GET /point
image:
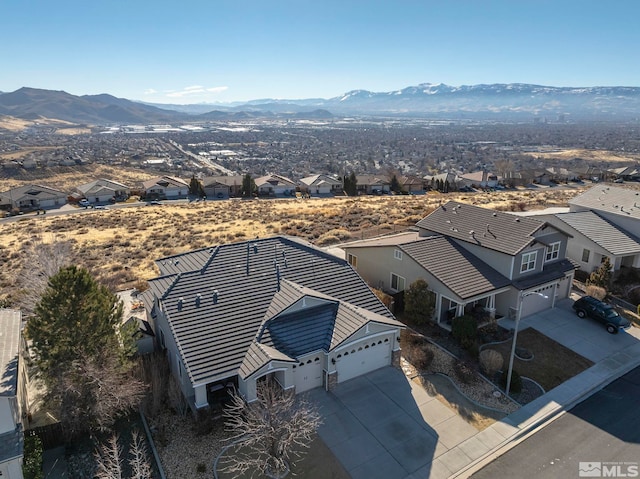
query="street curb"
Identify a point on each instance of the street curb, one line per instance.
(539, 423)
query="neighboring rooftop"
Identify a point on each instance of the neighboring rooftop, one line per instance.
(495, 230)
(609, 199)
(613, 239)
(10, 323)
(458, 269)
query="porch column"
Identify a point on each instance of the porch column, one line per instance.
(201, 396)
(460, 309)
(491, 306)
(555, 291)
(438, 311)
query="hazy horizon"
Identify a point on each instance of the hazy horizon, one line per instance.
(226, 51)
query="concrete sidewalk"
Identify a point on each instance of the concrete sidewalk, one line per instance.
(615, 355)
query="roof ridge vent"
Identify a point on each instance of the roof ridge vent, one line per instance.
(214, 252)
(170, 287)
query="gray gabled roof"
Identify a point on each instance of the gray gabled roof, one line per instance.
(455, 267)
(99, 184)
(602, 232)
(609, 199)
(10, 323)
(259, 355)
(490, 229)
(39, 191)
(213, 336)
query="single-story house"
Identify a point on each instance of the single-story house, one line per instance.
(372, 185)
(32, 197)
(620, 206)
(480, 179)
(594, 238)
(411, 184)
(103, 190)
(275, 185)
(320, 185)
(12, 393)
(471, 257)
(166, 187)
(229, 316)
(432, 181)
(228, 186)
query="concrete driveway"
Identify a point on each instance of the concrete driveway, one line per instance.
(586, 337)
(382, 425)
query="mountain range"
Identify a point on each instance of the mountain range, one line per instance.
(500, 102)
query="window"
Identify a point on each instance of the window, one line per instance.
(528, 262)
(585, 255)
(553, 251)
(352, 260)
(397, 282)
(397, 254)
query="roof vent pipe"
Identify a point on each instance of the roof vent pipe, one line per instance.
(180, 301)
(215, 296)
(198, 297)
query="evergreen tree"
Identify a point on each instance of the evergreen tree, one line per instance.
(248, 186)
(419, 302)
(396, 187)
(82, 353)
(350, 184)
(195, 187)
(602, 276)
(76, 318)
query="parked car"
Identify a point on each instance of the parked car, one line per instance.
(603, 312)
(84, 202)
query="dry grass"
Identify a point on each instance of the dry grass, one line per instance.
(77, 175)
(16, 155)
(120, 245)
(552, 363)
(590, 155)
(17, 124)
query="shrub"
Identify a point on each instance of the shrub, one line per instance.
(201, 467)
(464, 329)
(597, 292)
(516, 381)
(32, 464)
(490, 361)
(421, 357)
(419, 302)
(464, 372)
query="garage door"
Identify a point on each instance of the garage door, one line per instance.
(362, 358)
(308, 374)
(534, 303)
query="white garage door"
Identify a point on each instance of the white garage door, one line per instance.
(534, 303)
(308, 374)
(363, 357)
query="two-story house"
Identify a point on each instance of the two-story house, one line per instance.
(471, 257)
(231, 315)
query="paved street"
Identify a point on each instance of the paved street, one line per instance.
(604, 428)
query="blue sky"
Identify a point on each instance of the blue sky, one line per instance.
(218, 50)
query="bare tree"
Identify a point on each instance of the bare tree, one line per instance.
(271, 431)
(93, 393)
(139, 458)
(108, 459)
(44, 259)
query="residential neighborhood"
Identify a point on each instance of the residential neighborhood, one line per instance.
(334, 325)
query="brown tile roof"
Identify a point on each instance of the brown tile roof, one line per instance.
(459, 270)
(490, 229)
